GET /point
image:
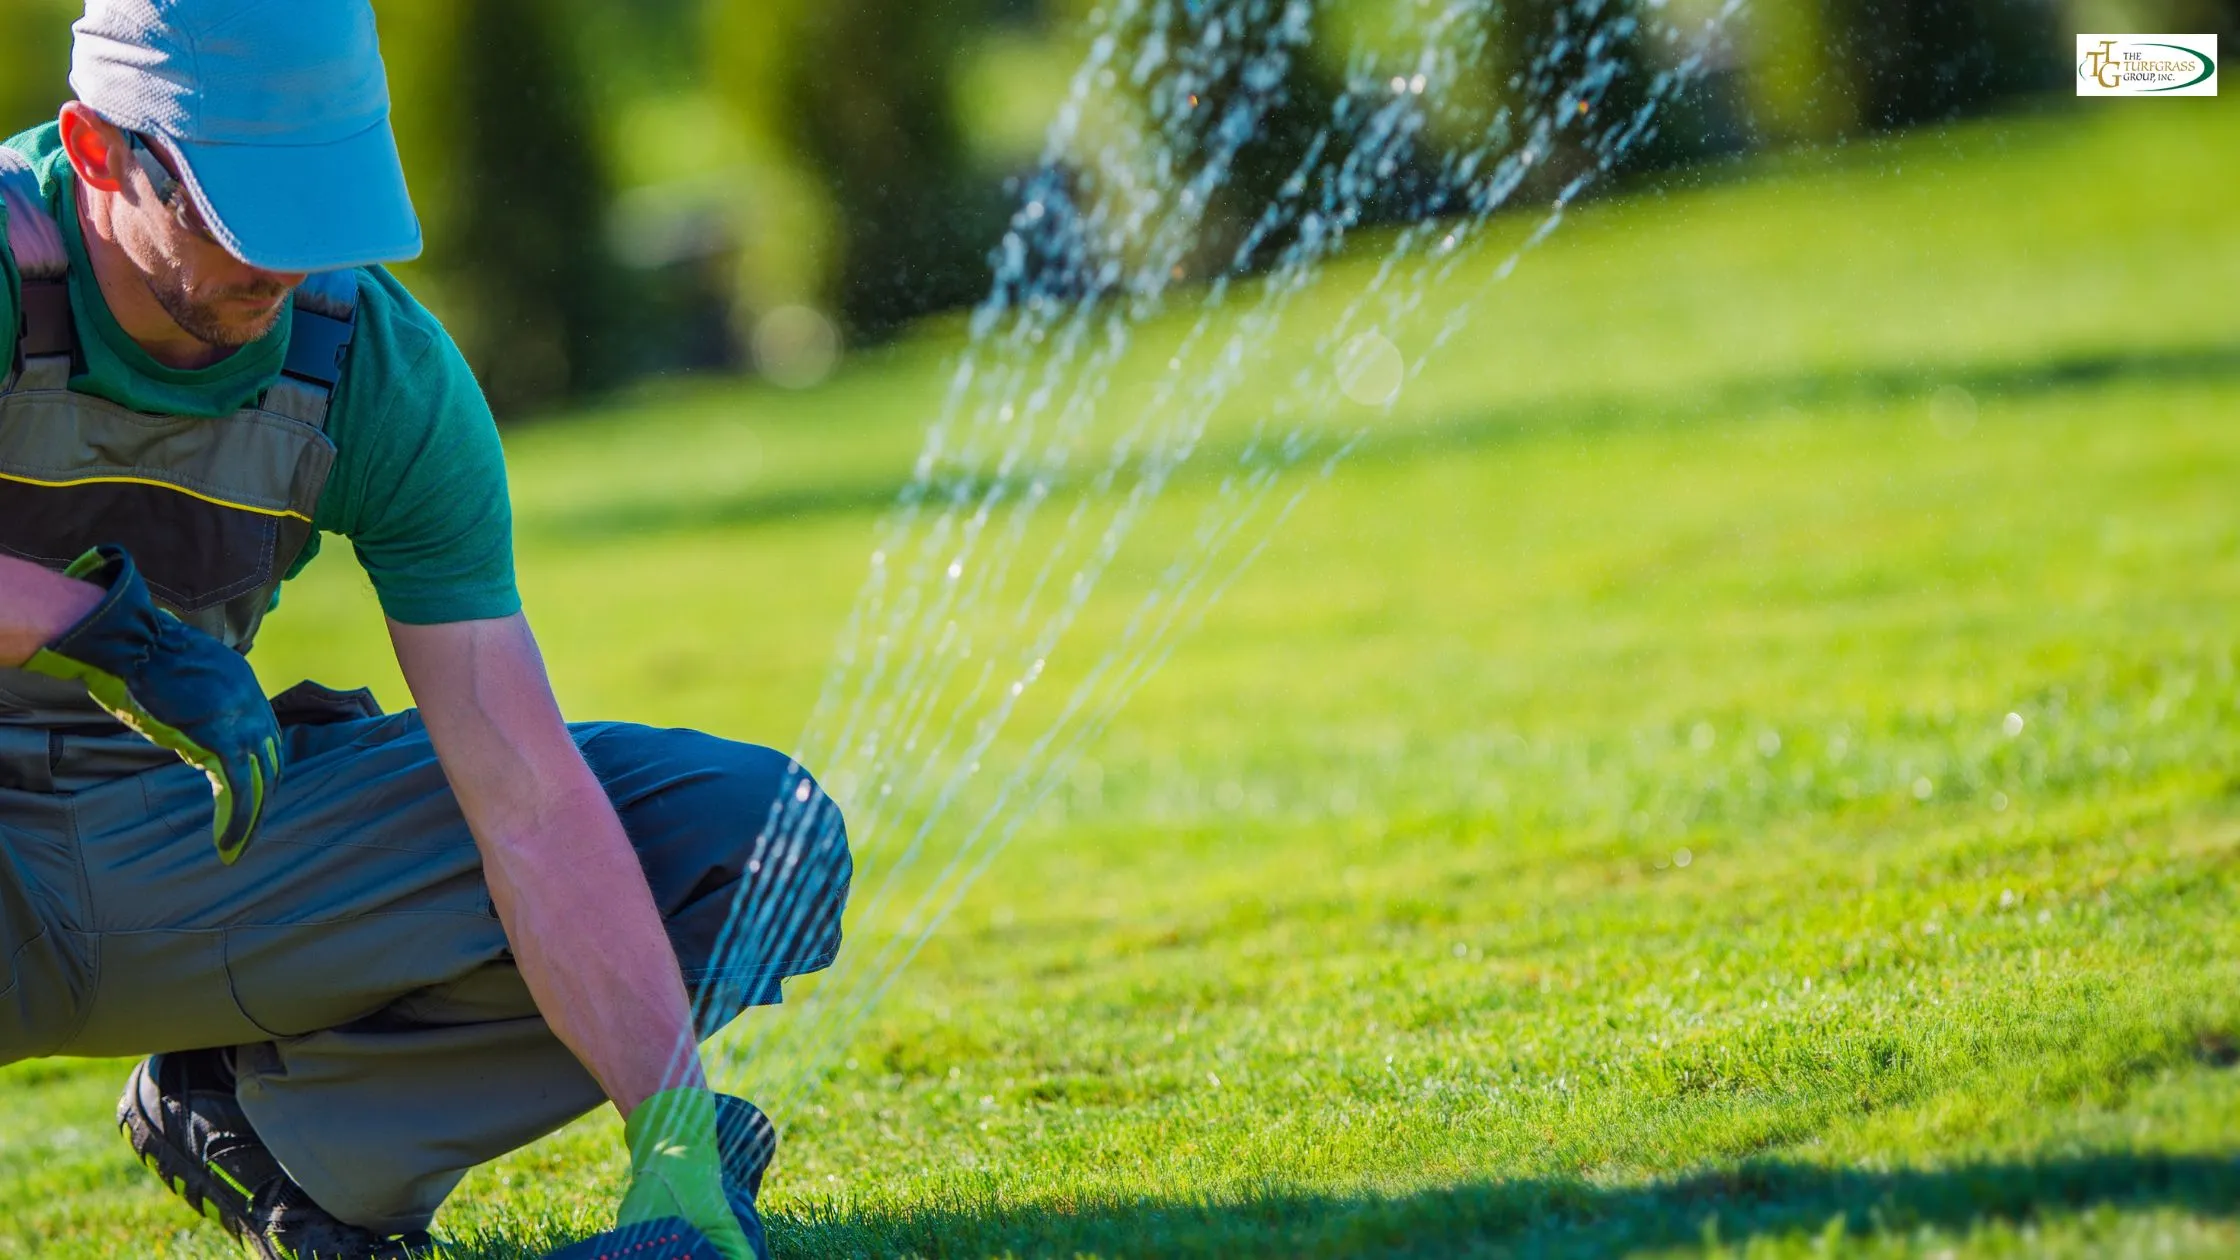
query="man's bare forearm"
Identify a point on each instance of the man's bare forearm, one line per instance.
(564, 877)
(36, 604)
(590, 944)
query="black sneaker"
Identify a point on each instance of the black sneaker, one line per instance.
(180, 1114)
(746, 1141)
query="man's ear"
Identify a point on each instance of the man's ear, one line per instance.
(96, 149)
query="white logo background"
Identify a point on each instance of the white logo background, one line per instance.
(2147, 65)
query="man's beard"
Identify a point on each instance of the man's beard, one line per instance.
(201, 320)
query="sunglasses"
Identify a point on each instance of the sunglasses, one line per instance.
(169, 190)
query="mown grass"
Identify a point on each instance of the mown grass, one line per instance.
(1743, 762)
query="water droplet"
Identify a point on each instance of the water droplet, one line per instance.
(1999, 802)
(1416, 84)
(1923, 788)
(1682, 857)
(1953, 411)
(2013, 725)
(796, 347)
(1371, 370)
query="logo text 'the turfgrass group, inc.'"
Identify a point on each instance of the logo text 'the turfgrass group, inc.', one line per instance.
(2146, 65)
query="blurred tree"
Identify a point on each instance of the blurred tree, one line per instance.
(1920, 61)
(869, 96)
(1823, 68)
(494, 113)
(529, 246)
(1493, 77)
(1800, 87)
(1546, 50)
(34, 61)
(781, 206)
(852, 152)
(420, 46)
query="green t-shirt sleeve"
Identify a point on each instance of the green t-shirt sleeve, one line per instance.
(422, 494)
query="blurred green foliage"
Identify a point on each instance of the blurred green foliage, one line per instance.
(34, 59)
(615, 190)
(509, 168)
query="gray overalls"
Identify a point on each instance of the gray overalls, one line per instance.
(387, 1040)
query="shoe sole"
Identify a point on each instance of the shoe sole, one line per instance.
(197, 1184)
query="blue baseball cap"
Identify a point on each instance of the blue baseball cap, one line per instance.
(276, 113)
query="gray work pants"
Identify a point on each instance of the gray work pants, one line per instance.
(389, 1042)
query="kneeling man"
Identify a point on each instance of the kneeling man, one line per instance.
(424, 939)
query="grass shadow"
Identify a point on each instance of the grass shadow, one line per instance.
(1531, 418)
(1543, 1217)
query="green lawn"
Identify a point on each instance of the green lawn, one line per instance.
(1746, 760)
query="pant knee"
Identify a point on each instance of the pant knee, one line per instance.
(781, 913)
(797, 871)
(746, 854)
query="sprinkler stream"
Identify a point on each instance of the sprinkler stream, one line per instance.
(1039, 469)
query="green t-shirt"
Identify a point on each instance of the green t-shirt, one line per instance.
(419, 479)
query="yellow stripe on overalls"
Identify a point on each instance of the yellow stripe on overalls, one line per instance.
(161, 485)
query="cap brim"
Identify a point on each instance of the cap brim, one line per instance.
(305, 207)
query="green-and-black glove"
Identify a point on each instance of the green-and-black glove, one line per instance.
(176, 686)
(677, 1170)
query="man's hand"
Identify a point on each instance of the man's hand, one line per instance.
(676, 1169)
(176, 686)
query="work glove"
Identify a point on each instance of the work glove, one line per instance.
(176, 686)
(676, 1169)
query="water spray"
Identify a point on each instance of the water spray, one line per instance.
(1032, 482)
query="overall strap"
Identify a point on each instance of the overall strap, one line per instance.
(40, 359)
(325, 318)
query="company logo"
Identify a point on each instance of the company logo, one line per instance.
(2146, 65)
